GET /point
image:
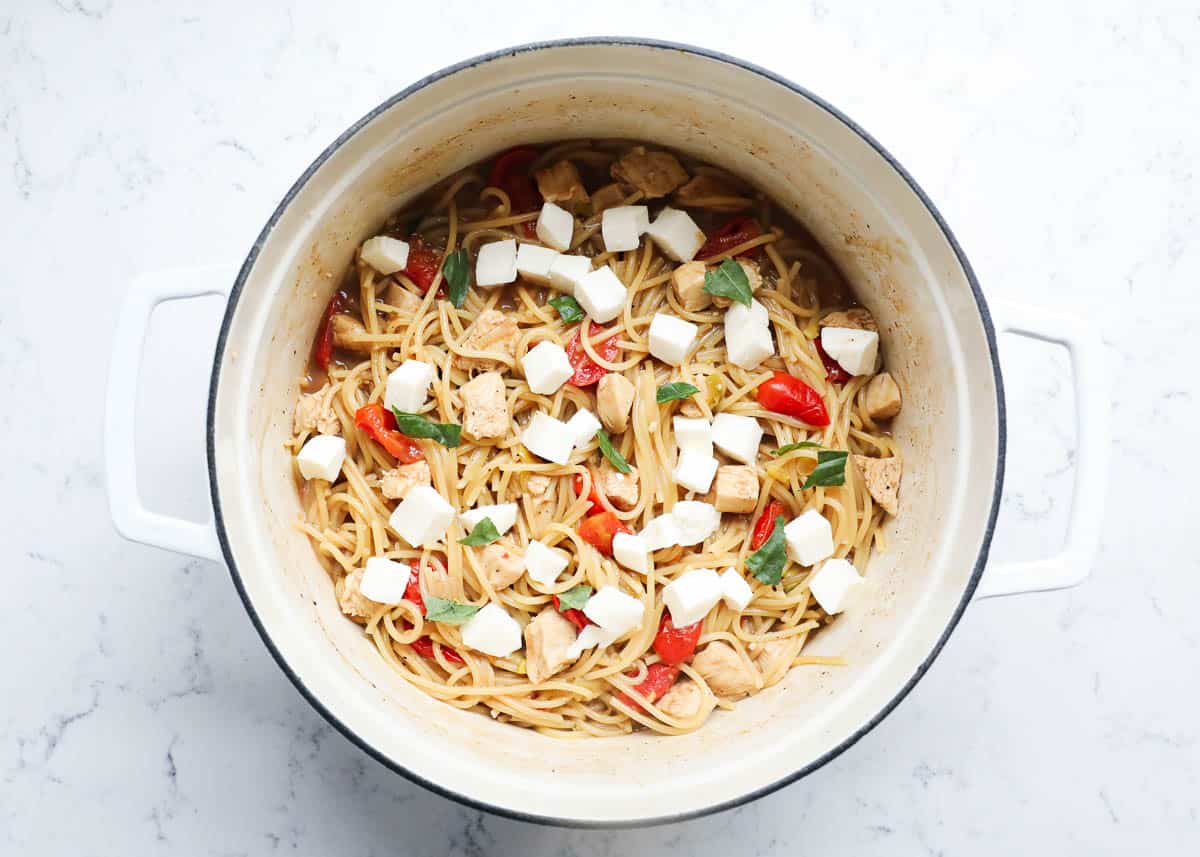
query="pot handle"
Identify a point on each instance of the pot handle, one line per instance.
(1092, 404)
(132, 519)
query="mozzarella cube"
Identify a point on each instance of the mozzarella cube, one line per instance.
(748, 334)
(583, 426)
(566, 272)
(676, 234)
(633, 552)
(555, 226)
(696, 521)
(492, 631)
(695, 472)
(614, 611)
(693, 435)
(534, 261)
(502, 516)
(386, 255)
(546, 367)
(690, 596)
(835, 584)
(496, 263)
(408, 386)
(661, 532)
(542, 564)
(809, 538)
(422, 517)
(548, 438)
(735, 591)
(671, 338)
(384, 580)
(737, 436)
(855, 350)
(622, 227)
(601, 294)
(589, 637)
(321, 457)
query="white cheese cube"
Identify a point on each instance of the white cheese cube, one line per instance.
(854, 350)
(589, 637)
(546, 367)
(321, 457)
(735, 591)
(748, 334)
(492, 631)
(601, 294)
(632, 552)
(386, 255)
(622, 227)
(737, 436)
(835, 584)
(696, 521)
(676, 234)
(422, 517)
(809, 538)
(695, 472)
(502, 516)
(408, 386)
(614, 611)
(534, 261)
(583, 426)
(671, 338)
(566, 272)
(384, 580)
(496, 263)
(555, 226)
(548, 438)
(661, 532)
(693, 435)
(543, 564)
(690, 596)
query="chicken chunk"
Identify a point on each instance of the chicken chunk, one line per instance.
(614, 398)
(485, 407)
(856, 318)
(688, 282)
(621, 489)
(539, 503)
(350, 333)
(881, 397)
(654, 173)
(502, 564)
(395, 484)
(547, 639)
(753, 277)
(437, 583)
(722, 667)
(495, 333)
(608, 196)
(401, 298)
(315, 414)
(684, 700)
(774, 658)
(701, 188)
(882, 476)
(350, 598)
(561, 185)
(736, 488)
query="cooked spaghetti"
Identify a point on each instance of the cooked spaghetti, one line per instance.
(674, 547)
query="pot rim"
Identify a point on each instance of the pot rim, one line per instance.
(558, 821)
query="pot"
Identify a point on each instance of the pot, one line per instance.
(938, 333)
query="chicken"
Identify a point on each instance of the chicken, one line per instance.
(608, 196)
(688, 282)
(684, 700)
(621, 489)
(881, 397)
(722, 667)
(401, 298)
(856, 318)
(547, 639)
(882, 476)
(437, 583)
(736, 488)
(614, 398)
(753, 277)
(502, 564)
(774, 658)
(350, 598)
(485, 407)
(654, 173)
(495, 333)
(315, 414)
(701, 188)
(561, 185)
(539, 503)
(349, 333)
(395, 484)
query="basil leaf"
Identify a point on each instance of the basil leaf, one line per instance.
(804, 444)
(729, 281)
(456, 269)
(568, 308)
(675, 390)
(610, 452)
(450, 612)
(483, 533)
(830, 469)
(768, 561)
(416, 425)
(574, 598)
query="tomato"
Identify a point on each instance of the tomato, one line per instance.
(593, 495)
(576, 616)
(423, 646)
(517, 160)
(658, 680)
(787, 394)
(380, 424)
(323, 345)
(598, 531)
(412, 592)
(423, 263)
(675, 645)
(510, 173)
(733, 232)
(587, 370)
(765, 524)
(833, 370)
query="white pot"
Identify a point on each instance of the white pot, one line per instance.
(885, 234)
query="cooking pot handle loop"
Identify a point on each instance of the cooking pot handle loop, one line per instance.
(132, 519)
(1092, 430)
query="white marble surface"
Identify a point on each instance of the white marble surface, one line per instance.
(139, 712)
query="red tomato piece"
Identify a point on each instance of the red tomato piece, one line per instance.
(423, 646)
(598, 531)
(517, 160)
(380, 424)
(787, 394)
(733, 232)
(323, 345)
(658, 680)
(765, 524)
(593, 495)
(833, 370)
(423, 263)
(587, 370)
(412, 592)
(675, 645)
(576, 616)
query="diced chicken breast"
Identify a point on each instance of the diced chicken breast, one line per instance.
(614, 398)
(701, 188)
(721, 666)
(654, 173)
(437, 583)
(349, 333)
(736, 487)
(539, 503)
(313, 414)
(561, 184)
(494, 332)
(856, 318)
(353, 603)
(485, 407)
(608, 196)
(882, 476)
(547, 639)
(688, 282)
(502, 564)
(684, 700)
(753, 277)
(881, 398)
(774, 658)
(395, 484)
(401, 298)
(621, 489)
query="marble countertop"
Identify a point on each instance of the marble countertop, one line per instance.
(140, 713)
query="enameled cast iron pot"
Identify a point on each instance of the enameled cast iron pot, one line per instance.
(939, 337)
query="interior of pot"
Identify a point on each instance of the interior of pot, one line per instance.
(903, 268)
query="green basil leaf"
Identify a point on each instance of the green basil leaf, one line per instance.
(450, 612)
(568, 308)
(483, 533)
(574, 598)
(416, 425)
(457, 271)
(729, 281)
(675, 390)
(830, 469)
(767, 563)
(804, 444)
(610, 452)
